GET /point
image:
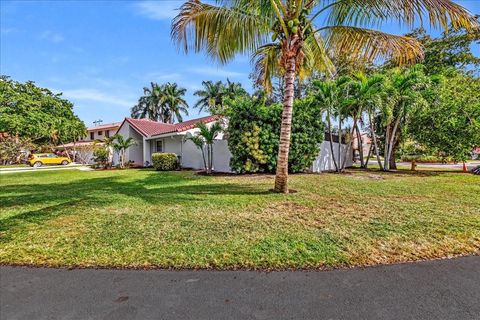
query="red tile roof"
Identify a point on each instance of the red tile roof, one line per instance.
(149, 127)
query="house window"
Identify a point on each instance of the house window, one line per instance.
(107, 133)
(92, 135)
(100, 133)
(159, 146)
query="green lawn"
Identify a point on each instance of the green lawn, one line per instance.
(142, 218)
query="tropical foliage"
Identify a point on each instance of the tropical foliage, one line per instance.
(450, 125)
(165, 103)
(213, 94)
(205, 140)
(253, 134)
(300, 45)
(28, 111)
(120, 146)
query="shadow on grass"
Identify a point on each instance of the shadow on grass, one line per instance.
(35, 203)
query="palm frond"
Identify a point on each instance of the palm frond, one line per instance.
(367, 13)
(370, 45)
(221, 31)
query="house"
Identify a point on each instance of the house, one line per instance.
(82, 150)
(100, 132)
(151, 136)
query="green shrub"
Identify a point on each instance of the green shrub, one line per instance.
(100, 157)
(425, 158)
(254, 130)
(165, 161)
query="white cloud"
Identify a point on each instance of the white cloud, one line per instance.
(158, 10)
(97, 96)
(51, 36)
(211, 71)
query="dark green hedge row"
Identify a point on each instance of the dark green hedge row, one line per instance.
(254, 130)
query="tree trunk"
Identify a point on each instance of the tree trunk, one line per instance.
(350, 143)
(386, 149)
(339, 143)
(329, 121)
(375, 141)
(359, 146)
(365, 165)
(281, 178)
(390, 145)
(202, 148)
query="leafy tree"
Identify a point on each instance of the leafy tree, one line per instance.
(208, 135)
(299, 45)
(451, 123)
(121, 145)
(12, 148)
(253, 134)
(36, 113)
(453, 49)
(163, 103)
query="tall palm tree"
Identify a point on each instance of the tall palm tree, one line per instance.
(174, 102)
(367, 96)
(121, 145)
(208, 135)
(163, 103)
(150, 104)
(403, 93)
(299, 45)
(210, 96)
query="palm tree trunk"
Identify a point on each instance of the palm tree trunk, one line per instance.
(392, 140)
(203, 156)
(209, 167)
(375, 141)
(339, 143)
(365, 165)
(359, 145)
(386, 148)
(281, 178)
(329, 121)
(349, 146)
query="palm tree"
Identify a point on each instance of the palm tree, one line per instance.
(367, 96)
(299, 46)
(200, 143)
(150, 105)
(174, 102)
(210, 96)
(208, 135)
(403, 93)
(121, 145)
(161, 103)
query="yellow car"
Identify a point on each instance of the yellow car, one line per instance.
(38, 160)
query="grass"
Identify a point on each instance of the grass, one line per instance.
(142, 218)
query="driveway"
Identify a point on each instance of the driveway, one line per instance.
(446, 289)
(458, 166)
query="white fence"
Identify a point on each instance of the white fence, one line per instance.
(324, 160)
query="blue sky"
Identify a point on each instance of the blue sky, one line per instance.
(101, 54)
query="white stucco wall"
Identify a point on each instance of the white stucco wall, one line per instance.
(134, 153)
(324, 160)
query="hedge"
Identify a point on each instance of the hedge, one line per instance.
(165, 161)
(254, 131)
(426, 159)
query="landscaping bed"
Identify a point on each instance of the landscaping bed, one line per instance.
(147, 219)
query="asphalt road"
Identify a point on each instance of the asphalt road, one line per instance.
(448, 289)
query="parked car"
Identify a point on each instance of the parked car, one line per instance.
(38, 160)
